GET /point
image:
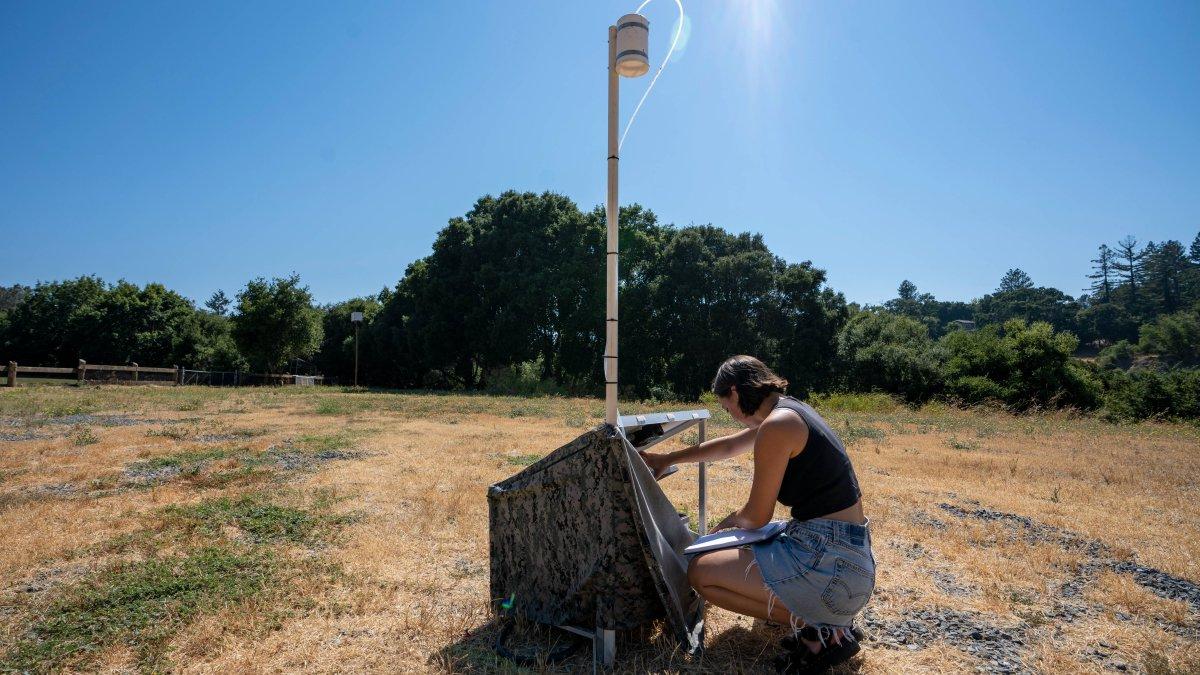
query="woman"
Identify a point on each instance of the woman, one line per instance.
(819, 573)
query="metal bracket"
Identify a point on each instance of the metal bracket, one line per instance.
(604, 644)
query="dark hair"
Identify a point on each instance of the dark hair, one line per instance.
(752, 378)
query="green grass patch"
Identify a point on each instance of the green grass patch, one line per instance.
(262, 520)
(140, 605)
(177, 432)
(45, 402)
(522, 460)
(68, 408)
(852, 432)
(189, 404)
(329, 406)
(190, 461)
(325, 442)
(576, 419)
(241, 475)
(856, 403)
(84, 436)
(962, 444)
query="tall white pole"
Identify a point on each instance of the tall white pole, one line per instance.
(610, 344)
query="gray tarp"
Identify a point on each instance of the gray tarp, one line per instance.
(585, 536)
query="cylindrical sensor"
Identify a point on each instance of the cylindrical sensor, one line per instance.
(633, 45)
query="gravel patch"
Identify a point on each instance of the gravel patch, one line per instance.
(21, 429)
(23, 495)
(984, 637)
(948, 583)
(922, 518)
(945, 580)
(9, 436)
(47, 579)
(102, 420)
(1162, 584)
(219, 438)
(289, 457)
(54, 490)
(140, 475)
(299, 460)
(1099, 557)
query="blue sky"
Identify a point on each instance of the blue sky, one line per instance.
(203, 144)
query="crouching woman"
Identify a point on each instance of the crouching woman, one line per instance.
(819, 573)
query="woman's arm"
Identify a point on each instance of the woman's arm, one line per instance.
(708, 451)
(777, 435)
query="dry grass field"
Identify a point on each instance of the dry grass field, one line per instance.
(318, 530)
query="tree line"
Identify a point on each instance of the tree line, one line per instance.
(511, 298)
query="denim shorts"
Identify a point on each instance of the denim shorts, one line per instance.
(822, 570)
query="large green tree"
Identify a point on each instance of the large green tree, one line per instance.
(493, 292)
(1014, 280)
(275, 321)
(1166, 267)
(11, 296)
(1130, 270)
(880, 351)
(1105, 322)
(1103, 274)
(61, 322)
(1029, 304)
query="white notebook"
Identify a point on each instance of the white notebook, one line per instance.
(735, 538)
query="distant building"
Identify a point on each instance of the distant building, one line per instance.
(964, 324)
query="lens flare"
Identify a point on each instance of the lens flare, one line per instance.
(674, 42)
(685, 35)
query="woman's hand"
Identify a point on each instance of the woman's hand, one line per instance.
(732, 521)
(657, 463)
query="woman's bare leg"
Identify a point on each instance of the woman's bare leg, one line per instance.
(729, 579)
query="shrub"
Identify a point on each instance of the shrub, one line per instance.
(1148, 394)
(1175, 336)
(976, 389)
(1119, 355)
(859, 403)
(879, 351)
(1022, 365)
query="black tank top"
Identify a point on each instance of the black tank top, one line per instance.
(819, 480)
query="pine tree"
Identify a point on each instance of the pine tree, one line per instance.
(1128, 266)
(218, 304)
(1014, 280)
(1190, 291)
(1102, 273)
(1165, 268)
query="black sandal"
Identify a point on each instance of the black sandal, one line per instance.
(808, 663)
(791, 642)
(799, 660)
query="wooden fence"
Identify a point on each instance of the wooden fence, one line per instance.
(132, 374)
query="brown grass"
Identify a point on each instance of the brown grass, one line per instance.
(410, 592)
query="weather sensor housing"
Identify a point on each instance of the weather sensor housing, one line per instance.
(633, 40)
